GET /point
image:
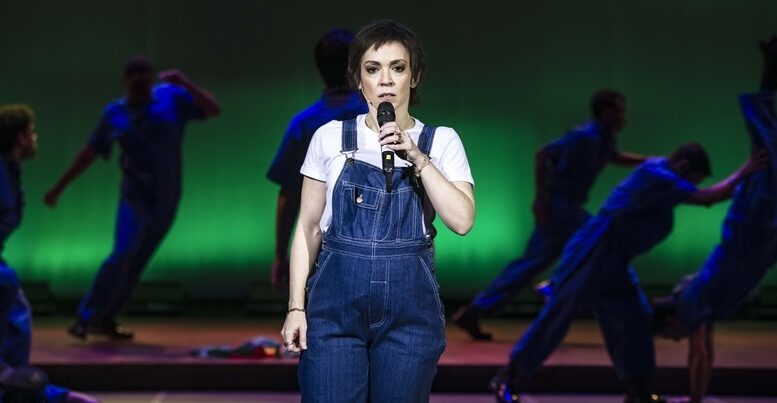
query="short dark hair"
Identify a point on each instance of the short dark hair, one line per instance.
(379, 33)
(14, 120)
(695, 155)
(138, 64)
(605, 99)
(332, 57)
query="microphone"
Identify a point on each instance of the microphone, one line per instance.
(386, 114)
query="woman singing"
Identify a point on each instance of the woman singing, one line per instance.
(364, 303)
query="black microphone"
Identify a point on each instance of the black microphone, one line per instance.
(386, 114)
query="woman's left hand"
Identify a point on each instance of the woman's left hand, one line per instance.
(400, 142)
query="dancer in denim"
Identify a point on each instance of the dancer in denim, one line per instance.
(565, 170)
(364, 303)
(19, 382)
(338, 102)
(748, 246)
(594, 271)
(148, 123)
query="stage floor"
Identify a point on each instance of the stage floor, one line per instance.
(164, 397)
(158, 359)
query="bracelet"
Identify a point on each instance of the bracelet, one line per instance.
(295, 309)
(420, 167)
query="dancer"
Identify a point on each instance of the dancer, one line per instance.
(368, 317)
(338, 102)
(748, 246)
(594, 270)
(19, 382)
(564, 172)
(149, 124)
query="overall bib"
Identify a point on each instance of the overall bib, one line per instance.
(376, 325)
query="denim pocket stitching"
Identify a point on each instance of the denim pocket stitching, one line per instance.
(435, 287)
(317, 276)
(385, 301)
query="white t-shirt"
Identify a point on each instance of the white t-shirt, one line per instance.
(324, 160)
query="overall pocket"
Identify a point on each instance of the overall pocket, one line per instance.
(318, 271)
(359, 206)
(427, 261)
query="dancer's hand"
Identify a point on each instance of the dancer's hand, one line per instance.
(173, 76)
(756, 162)
(769, 50)
(294, 332)
(52, 197)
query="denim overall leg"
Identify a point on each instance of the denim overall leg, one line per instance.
(544, 247)
(599, 276)
(375, 319)
(139, 230)
(15, 320)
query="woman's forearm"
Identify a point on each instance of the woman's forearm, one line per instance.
(307, 239)
(453, 201)
(304, 251)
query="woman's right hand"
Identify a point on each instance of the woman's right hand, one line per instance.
(294, 331)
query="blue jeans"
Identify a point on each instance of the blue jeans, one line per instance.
(16, 336)
(138, 233)
(545, 246)
(594, 272)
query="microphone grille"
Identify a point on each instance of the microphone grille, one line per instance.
(385, 113)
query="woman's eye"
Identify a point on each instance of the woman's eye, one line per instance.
(399, 69)
(371, 70)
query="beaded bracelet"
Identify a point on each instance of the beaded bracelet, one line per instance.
(420, 167)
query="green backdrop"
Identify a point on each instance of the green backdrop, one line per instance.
(508, 76)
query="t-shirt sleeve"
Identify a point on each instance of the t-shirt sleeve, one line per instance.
(290, 156)
(101, 140)
(315, 165)
(452, 161)
(187, 106)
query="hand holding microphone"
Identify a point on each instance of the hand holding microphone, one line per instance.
(393, 139)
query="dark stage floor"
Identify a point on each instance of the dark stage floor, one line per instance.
(281, 397)
(746, 359)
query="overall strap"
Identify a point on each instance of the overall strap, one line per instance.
(426, 138)
(349, 136)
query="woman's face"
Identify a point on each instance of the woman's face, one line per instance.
(386, 76)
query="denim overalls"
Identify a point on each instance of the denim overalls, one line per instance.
(748, 245)
(376, 325)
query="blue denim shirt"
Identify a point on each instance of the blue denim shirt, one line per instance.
(150, 137)
(578, 158)
(285, 167)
